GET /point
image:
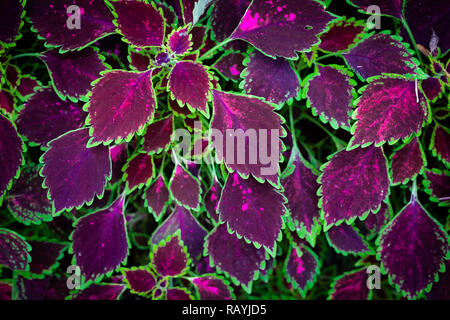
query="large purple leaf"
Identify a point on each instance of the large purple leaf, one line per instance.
(261, 70)
(282, 27)
(14, 250)
(192, 233)
(185, 188)
(253, 210)
(330, 95)
(10, 153)
(11, 12)
(353, 183)
(45, 256)
(97, 253)
(121, 104)
(407, 162)
(139, 171)
(230, 65)
(226, 15)
(213, 288)
(101, 292)
(341, 35)
(302, 268)
(300, 189)
(375, 222)
(27, 200)
(157, 198)
(139, 280)
(345, 239)
(83, 67)
(392, 8)
(350, 286)
(440, 144)
(170, 257)
(46, 117)
(140, 23)
(189, 83)
(412, 249)
(211, 201)
(53, 22)
(437, 185)
(389, 109)
(231, 119)
(238, 259)
(74, 173)
(158, 135)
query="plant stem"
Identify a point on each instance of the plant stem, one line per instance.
(23, 55)
(411, 37)
(210, 51)
(327, 56)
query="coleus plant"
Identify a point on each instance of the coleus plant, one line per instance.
(93, 96)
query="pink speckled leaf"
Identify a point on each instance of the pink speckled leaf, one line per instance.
(412, 248)
(330, 94)
(46, 117)
(302, 268)
(407, 162)
(139, 171)
(350, 286)
(11, 12)
(438, 185)
(392, 8)
(226, 15)
(380, 54)
(341, 35)
(14, 250)
(185, 188)
(234, 256)
(388, 110)
(376, 221)
(230, 65)
(140, 23)
(157, 198)
(353, 183)
(192, 233)
(45, 256)
(73, 72)
(54, 22)
(261, 70)
(97, 253)
(101, 292)
(158, 135)
(345, 239)
(189, 83)
(179, 41)
(253, 210)
(74, 173)
(212, 288)
(211, 200)
(266, 24)
(139, 280)
(231, 112)
(170, 257)
(121, 104)
(440, 144)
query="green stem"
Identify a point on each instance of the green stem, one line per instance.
(337, 142)
(414, 191)
(408, 30)
(210, 51)
(23, 55)
(327, 56)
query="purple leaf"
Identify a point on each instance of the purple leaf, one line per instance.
(407, 162)
(140, 23)
(158, 135)
(330, 95)
(10, 153)
(253, 210)
(226, 15)
(238, 259)
(230, 65)
(101, 292)
(441, 290)
(345, 239)
(178, 294)
(388, 110)
(261, 70)
(11, 12)
(179, 41)
(139, 171)
(341, 35)
(192, 233)
(121, 104)
(185, 188)
(139, 280)
(350, 286)
(392, 8)
(376, 221)
(266, 24)
(46, 117)
(83, 67)
(412, 248)
(231, 113)
(27, 86)
(97, 253)
(170, 257)
(353, 184)
(302, 268)
(138, 61)
(432, 88)
(437, 185)
(45, 256)
(300, 189)
(74, 173)
(7, 102)
(189, 83)
(14, 250)
(119, 156)
(53, 22)
(213, 288)
(5, 291)
(48, 288)
(380, 54)
(157, 198)
(211, 201)
(440, 144)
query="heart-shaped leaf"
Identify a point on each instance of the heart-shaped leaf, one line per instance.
(170, 257)
(407, 162)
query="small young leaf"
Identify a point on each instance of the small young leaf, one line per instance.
(407, 162)
(14, 250)
(212, 288)
(139, 280)
(139, 171)
(302, 268)
(179, 41)
(157, 198)
(170, 257)
(185, 188)
(345, 239)
(350, 286)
